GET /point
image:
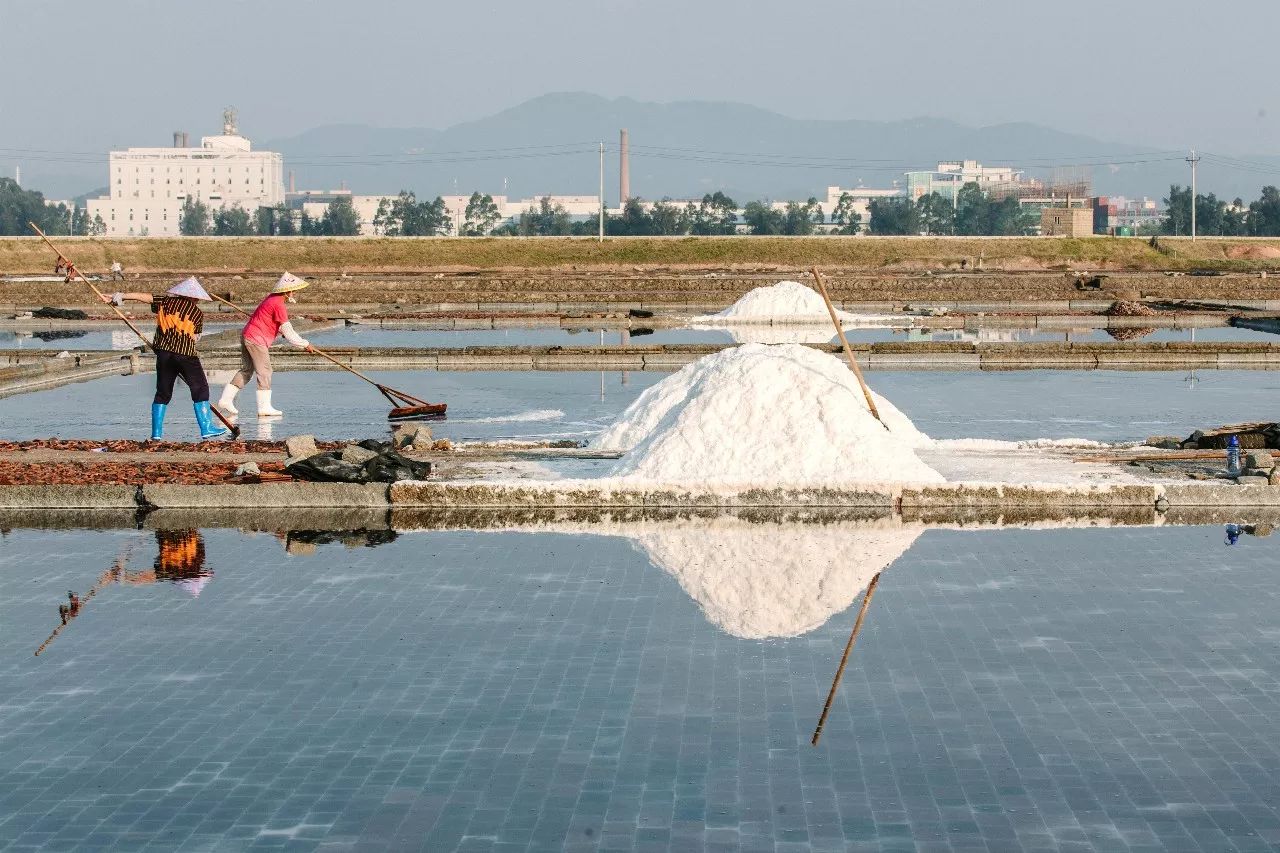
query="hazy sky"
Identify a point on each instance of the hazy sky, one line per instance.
(1166, 73)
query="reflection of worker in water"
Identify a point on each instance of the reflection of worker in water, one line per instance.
(179, 560)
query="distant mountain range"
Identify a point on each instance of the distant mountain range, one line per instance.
(684, 149)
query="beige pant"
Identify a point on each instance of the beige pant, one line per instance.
(254, 358)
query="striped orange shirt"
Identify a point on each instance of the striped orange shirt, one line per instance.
(178, 321)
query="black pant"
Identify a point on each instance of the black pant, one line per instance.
(169, 365)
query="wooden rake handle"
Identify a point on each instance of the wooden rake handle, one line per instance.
(316, 351)
(848, 351)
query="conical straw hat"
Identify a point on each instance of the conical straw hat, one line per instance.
(190, 287)
(289, 283)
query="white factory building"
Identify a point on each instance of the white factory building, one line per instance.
(148, 186)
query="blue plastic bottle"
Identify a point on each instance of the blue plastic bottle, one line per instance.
(1233, 456)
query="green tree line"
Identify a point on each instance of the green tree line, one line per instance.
(19, 207)
(1215, 217)
(974, 214)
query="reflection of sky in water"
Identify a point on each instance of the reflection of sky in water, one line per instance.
(1101, 405)
(1010, 690)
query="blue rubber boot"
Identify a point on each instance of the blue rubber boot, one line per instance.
(157, 420)
(204, 418)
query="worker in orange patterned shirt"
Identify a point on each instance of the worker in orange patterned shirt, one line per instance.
(179, 324)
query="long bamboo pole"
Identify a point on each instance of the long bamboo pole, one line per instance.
(73, 270)
(853, 362)
(844, 659)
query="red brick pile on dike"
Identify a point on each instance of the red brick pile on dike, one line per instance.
(127, 446)
(107, 472)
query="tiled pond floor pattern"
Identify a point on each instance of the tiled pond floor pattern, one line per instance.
(1099, 405)
(1086, 689)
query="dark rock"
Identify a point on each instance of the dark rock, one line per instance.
(1259, 459)
(298, 447)
(354, 454)
(410, 435)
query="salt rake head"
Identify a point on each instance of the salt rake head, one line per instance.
(428, 412)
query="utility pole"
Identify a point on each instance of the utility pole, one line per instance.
(1193, 160)
(600, 238)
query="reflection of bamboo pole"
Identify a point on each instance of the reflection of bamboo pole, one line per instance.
(108, 577)
(844, 659)
(853, 362)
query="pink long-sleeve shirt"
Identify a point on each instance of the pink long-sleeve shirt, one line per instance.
(264, 325)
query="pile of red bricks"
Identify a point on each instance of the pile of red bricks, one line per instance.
(107, 472)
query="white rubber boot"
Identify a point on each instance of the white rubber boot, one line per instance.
(264, 406)
(227, 402)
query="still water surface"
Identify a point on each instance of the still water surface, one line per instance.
(1100, 405)
(647, 686)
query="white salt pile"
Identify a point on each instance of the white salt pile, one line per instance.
(760, 415)
(784, 302)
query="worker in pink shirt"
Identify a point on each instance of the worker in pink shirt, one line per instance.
(269, 320)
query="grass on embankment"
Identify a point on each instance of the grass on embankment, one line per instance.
(393, 255)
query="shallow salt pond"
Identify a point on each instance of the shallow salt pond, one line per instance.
(1099, 405)
(651, 685)
(78, 340)
(373, 336)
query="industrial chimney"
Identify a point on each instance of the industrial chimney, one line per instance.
(177, 139)
(186, 141)
(624, 168)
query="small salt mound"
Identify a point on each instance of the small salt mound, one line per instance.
(765, 415)
(784, 302)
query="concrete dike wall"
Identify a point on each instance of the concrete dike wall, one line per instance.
(28, 371)
(916, 501)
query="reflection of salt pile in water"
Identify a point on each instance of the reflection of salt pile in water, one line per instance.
(772, 580)
(784, 303)
(759, 580)
(765, 415)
